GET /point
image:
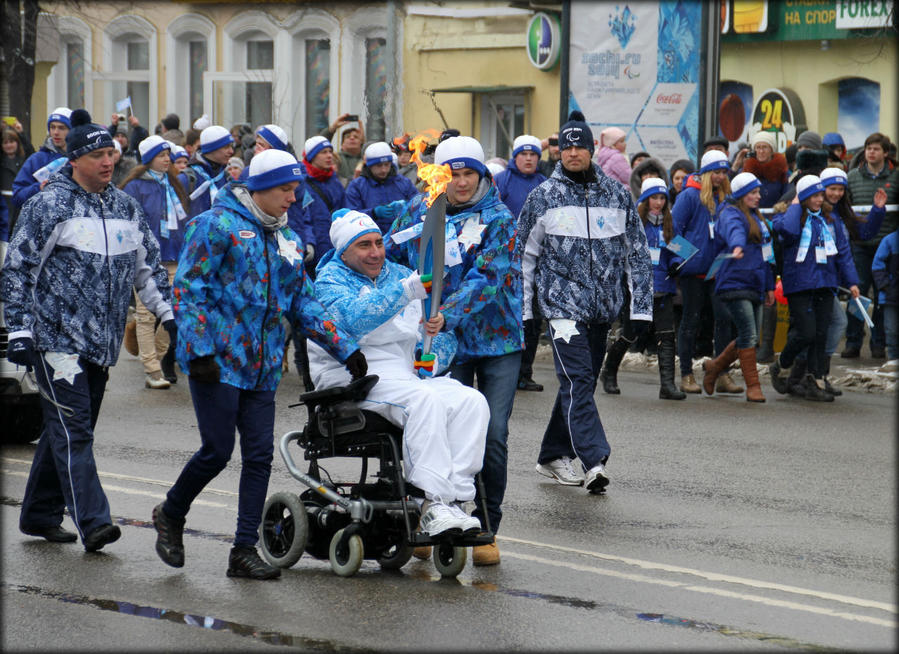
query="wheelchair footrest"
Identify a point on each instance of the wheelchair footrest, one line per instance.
(459, 540)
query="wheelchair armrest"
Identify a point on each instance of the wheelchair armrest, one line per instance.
(354, 391)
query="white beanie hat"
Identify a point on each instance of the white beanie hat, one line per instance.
(808, 185)
(151, 146)
(526, 143)
(461, 152)
(202, 123)
(273, 135)
(315, 145)
(214, 137)
(347, 225)
(495, 168)
(377, 152)
(272, 168)
(178, 151)
(831, 176)
(764, 137)
(60, 115)
(117, 146)
(713, 160)
(741, 184)
(652, 186)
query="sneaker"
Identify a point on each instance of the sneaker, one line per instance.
(470, 524)
(54, 534)
(485, 554)
(780, 377)
(439, 519)
(245, 562)
(156, 380)
(597, 479)
(528, 384)
(830, 388)
(102, 535)
(562, 470)
(169, 538)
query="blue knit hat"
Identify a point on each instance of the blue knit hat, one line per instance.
(376, 153)
(152, 146)
(274, 136)
(652, 186)
(526, 143)
(461, 152)
(178, 151)
(576, 132)
(214, 137)
(314, 145)
(741, 184)
(271, 168)
(713, 160)
(808, 186)
(85, 136)
(832, 138)
(60, 115)
(832, 176)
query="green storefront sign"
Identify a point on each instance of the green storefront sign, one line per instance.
(812, 20)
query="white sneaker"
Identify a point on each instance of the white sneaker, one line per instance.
(470, 524)
(597, 479)
(562, 470)
(156, 380)
(439, 518)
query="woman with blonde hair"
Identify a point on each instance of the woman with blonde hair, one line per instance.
(694, 214)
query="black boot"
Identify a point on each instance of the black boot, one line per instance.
(667, 389)
(833, 390)
(609, 373)
(765, 352)
(167, 363)
(245, 562)
(796, 382)
(814, 392)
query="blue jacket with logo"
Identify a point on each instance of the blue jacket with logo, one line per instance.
(365, 193)
(582, 246)
(234, 283)
(661, 281)
(320, 212)
(809, 274)
(885, 269)
(514, 186)
(481, 295)
(192, 180)
(72, 261)
(25, 185)
(691, 220)
(751, 272)
(151, 196)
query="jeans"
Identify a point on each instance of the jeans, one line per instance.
(810, 313)
(746, 316)
(891, 327)
(836, 329)
(220, 408)
(497, 381)
(532, 329)
(574, 428)
(863, 255)
(694, 292)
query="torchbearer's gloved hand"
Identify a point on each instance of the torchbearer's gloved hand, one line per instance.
(356, 364)
(21, 352)
(172, 330)
(205, 369)
(417, 287)
(425, 364)
(310, 253)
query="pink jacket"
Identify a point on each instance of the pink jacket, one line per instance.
(614, 164)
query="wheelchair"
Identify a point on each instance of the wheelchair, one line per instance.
(347, 522)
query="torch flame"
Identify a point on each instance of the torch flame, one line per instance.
(435, 177)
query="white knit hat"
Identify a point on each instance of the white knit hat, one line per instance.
(347, 225)
(273, 135)
(377, 152)
(652, 186)
(214, 137)
(152, 146)
(526, 143)
(764, 137)
(178, 151)
(461, 152)
(60, 115)
(807, 186)
(741, 184)
(831, 176)
(713, 160)
(272, 168)
(202, 123)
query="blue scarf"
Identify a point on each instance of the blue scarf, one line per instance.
(174, 212)
(211, 183)
(805, 239)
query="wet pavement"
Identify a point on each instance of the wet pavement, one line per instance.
(726, 525)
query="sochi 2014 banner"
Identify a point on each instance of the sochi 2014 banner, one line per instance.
(635, 65)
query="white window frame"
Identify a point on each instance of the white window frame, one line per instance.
(179, 33)
(303, 25)
(488, 118)
(115, 53)
(362, 24)
(71, 28)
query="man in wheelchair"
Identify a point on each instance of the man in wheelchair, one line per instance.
(444, 422)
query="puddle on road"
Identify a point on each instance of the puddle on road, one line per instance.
(202, 621)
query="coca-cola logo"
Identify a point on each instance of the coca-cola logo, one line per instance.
(674, 98)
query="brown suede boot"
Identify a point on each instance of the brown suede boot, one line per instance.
(751, 375)
(714, 367)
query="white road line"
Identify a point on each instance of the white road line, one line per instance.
(711, 576)
(891, 624)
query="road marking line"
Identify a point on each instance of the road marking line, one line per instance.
(706, 589)
(713, 576)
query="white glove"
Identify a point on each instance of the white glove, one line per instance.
(414, 288)
(310, 253)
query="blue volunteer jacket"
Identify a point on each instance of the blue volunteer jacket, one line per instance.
(691, 220)
(482, 294)
(191, 181)
(72, 261)
(365, 193)
(885, 269)
(514, 186)
(582, 246)
(234, 283)
(320, 211)
(751, 272)
(25, 185)
(661, 282)
(808, 274)
(151, 196)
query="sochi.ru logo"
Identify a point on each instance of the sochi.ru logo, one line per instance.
(540, 40)
(622, 24)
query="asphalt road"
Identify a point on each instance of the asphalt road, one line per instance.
(726, 526)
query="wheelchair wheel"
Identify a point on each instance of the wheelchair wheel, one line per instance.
(283, 530)
(346, 561)
(449, 560)
(396, 557)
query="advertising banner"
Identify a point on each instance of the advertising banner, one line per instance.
(636, 66)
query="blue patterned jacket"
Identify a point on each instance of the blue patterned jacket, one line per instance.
(581, 244)
(72, 261)
(481, 295)
(233, 284)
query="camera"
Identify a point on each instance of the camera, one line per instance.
(554, 141)
(352, 118)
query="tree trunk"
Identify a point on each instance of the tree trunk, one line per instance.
(18, 33)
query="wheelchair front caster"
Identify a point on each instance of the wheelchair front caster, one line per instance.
(346, 559)
(396, 557)
(283, 530)
(449, 560)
